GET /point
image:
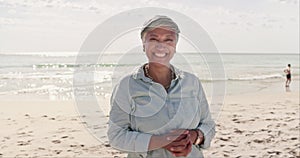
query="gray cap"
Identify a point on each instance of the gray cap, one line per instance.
(159, 21)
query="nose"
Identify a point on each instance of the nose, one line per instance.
(160, 46)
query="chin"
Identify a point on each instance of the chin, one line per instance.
(160, 63)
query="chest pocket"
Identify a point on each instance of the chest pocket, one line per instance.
(155, 115)
(186, 112)
(149, 114)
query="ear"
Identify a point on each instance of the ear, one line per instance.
(175, 49)
(143, 43)
(143, 47)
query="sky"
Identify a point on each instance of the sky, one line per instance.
(235, 26)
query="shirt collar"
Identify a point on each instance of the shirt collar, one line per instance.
(140, 74)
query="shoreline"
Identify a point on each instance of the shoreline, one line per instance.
(231, 88)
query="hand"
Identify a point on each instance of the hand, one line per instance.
(182, 151)
(180, 142)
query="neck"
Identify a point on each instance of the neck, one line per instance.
(159, 68)
(160, 73)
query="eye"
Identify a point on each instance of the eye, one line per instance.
(169, 40)
(153, 39)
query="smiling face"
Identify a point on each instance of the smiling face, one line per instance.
(160, 45)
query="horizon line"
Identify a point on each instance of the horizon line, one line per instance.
(115, 52)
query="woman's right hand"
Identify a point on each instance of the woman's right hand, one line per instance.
(179, 142)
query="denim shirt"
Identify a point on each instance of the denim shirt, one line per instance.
(142, 108)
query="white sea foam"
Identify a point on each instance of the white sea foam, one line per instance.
(257, 77)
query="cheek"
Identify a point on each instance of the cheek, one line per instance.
(172, 47)
(148, 47)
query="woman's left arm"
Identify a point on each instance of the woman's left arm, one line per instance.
(206, 124)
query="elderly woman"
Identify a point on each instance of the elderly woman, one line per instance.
(160, 111)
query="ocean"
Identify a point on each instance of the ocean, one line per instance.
(50, 75)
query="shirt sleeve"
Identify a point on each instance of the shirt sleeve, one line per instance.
(207, 124)
(120, 134)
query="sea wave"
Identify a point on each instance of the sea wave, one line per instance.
(41, 54)
(68, 65)
(85, 77)
(244, 78)
(257, 77)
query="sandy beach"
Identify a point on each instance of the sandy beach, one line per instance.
(261, 124)
(258, 125)
(60, 61)
(46, 129)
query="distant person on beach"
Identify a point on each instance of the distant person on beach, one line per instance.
(159, 111)
(288, 75)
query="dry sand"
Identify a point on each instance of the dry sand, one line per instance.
(46, 129)
(258, 125)
(249, 125)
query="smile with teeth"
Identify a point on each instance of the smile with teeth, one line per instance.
(161, 55)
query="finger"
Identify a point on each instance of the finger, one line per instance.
(172, 141)
(181, 142)
(189, 147)
(177, 148)
(185, 151)
(176, 137)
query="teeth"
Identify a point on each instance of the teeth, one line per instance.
(160, 54)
